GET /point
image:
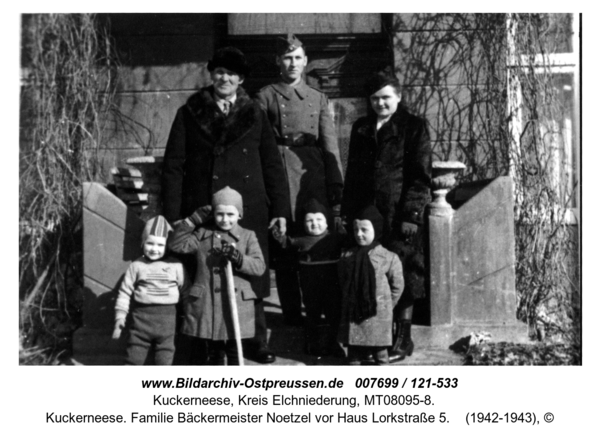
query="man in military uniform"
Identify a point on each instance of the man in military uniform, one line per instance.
(304, 131)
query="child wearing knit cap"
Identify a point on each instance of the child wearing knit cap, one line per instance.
(214, 240)
(372, 283)
(317, 253)
(150, 291)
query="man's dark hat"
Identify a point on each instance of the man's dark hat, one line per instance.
(379, 80)
(287, 44)
(230, 58)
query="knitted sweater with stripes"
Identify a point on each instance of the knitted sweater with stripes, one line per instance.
(151, 282)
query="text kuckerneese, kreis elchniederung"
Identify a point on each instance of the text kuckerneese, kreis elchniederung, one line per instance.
(282, 400)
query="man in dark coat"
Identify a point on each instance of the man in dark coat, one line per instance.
(389, 166)
(221, 138)
(303, 127)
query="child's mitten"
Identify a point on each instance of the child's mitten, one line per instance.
(200, 215)
(233, 254)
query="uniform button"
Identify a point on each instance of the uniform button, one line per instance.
(215, 177)
(284, 116)
(282, 105)
(245, 151)
(285, 126)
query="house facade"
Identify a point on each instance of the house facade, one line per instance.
(500, 93)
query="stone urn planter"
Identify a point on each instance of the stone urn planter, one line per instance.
(443, 178)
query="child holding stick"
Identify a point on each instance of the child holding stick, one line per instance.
(207, 310)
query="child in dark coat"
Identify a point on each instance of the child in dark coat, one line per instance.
(150, 291)
(318, 252)
(372, 283)
(207, 312)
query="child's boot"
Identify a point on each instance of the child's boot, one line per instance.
(354, 356)
(381, 356)
(216, 354)
(233, 357)
(333, 348)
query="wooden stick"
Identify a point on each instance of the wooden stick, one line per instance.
(234, 311)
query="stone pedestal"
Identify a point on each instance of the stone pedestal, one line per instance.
(111, 240)
(472, 261)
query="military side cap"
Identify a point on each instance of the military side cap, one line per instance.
(287, 44)
(230, 58)
(379, 80)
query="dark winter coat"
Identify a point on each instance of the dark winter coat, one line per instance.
(377, 330)
(206, 309)
(392, 170)
(208, 151)
(304, 131)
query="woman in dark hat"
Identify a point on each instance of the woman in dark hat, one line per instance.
(220, 138)
(389, 166)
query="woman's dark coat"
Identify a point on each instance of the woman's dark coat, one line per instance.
(208, 151)
(393, 172)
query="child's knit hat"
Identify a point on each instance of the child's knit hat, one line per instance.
(372, 214)
(228, 196)
(157, 226)
(313, 206)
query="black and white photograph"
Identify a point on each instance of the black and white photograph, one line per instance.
(338, 192)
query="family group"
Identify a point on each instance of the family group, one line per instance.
(250, 184)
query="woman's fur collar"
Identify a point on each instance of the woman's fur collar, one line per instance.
(222, 131)
(392, 128)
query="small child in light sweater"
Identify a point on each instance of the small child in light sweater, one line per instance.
(150, 292)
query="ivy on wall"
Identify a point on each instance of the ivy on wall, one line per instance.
(66, 89)
(493, 101)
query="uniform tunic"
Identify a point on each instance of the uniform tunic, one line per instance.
(207, 313)
(377, 330)
(303, 127)
(208, 151)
